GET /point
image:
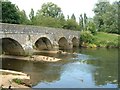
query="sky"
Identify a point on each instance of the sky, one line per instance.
(68, 7)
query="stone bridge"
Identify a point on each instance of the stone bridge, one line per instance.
(16, 39)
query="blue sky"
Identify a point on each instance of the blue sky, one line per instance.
(68, 6)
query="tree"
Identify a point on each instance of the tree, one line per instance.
(31, 15)
(85, 21)
(81, 22)
(47, 22)
(49, 15)
(73, 17)
(10, 13)
(50, 10)
(71, 24)
(106, 17)
(91, 27)
(23, 17)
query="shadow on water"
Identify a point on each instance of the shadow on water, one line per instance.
(87, 68)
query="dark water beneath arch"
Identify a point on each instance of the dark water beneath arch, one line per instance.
(88, 68)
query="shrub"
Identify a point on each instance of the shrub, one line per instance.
(92, 46)
(86, 37)
(18, 81)
(112, 44)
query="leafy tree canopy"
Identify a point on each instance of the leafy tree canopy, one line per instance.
(50, 9)
(106, 17)
(10, 13)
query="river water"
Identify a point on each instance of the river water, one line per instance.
(87, 68)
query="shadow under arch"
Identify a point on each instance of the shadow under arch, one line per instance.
(63, 43)
(43, 43)
(10, 46)
(75, 42)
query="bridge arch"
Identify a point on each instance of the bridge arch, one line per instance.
(63, 43)
(11, 46)
(43, 43)
(75, 42)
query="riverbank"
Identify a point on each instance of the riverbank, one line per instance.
(13, 79)
(101, 39)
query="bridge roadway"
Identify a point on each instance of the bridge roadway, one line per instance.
(16, 39)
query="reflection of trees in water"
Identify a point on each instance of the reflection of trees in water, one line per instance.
(45, 72)
(107, 63)
(13, 64)
(39, 71)
(104, 75)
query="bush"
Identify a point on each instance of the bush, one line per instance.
(18, 81)
(112, 44)
(86, 37)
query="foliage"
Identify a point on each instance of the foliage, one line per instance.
(71, 24)
(31, 15)
(100, 39)
(18, 81)
(83, 21)
(50, 10)
(50, 16)
(106, 40)
(91, 27)
(48, 22)
(10, 13)
(106, 17)
(73, 17)
(23, 17)
(86, 37)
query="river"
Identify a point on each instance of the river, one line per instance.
(87, 68)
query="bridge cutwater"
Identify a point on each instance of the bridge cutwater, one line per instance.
(17, 39)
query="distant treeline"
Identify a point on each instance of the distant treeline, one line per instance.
(50, 15)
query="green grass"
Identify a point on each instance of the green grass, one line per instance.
(106, 39)
(105, 36)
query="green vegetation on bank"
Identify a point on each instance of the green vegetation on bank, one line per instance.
(18, 81)
(101, 39)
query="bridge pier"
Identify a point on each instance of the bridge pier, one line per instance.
(70, 45)
(28, 48)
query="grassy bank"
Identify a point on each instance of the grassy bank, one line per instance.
(101, 39)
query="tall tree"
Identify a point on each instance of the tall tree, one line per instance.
(85, 20)
(73, 17)
(31, 15)
(50, 10)
(81, 23)
(10, 13)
